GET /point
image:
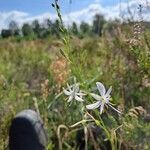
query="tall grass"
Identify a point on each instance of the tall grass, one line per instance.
(34, 73)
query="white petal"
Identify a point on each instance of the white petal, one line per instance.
(70, 98)
(66, 92)
(76, 88)
(93, 106)
(78, 98)
(101, 88)
(95, 96)
(101, 108)
(109, 91)
(114, 109)
(81, 94)
(106, 99)
(69, 87)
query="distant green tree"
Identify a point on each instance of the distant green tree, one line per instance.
(47, 28)
(42, 30)
(98, 24)
(48, 23)
(5, 33)
(74, 28)
(44, 33)
(84, 28)
(13, 27)
(55, 28)
(27, 30)
(110, 27)
(36, 27)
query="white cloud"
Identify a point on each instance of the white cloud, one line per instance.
(21, 17)
(86, 14)
(6, 17)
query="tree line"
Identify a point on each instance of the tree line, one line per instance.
(49, 28)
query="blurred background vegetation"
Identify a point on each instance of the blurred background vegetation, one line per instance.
(33, 72)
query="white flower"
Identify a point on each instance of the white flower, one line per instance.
(102, 99)
(74, 93)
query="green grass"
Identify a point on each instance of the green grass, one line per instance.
(25, 65)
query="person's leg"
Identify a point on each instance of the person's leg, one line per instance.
(27, 132)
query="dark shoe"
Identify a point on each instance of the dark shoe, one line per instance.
(27, 132)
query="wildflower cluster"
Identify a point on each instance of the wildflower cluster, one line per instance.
(137, 29)
(60, 70)
(74, 93)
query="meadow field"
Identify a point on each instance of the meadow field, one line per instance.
(35, 72)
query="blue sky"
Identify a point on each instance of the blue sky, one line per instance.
(79, 10)
(35, 7)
